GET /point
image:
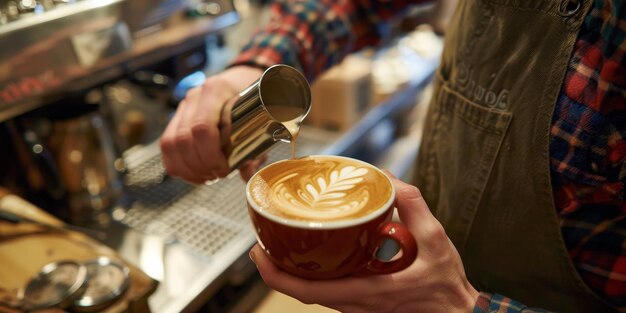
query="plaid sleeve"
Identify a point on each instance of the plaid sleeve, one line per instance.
(495, 303)
(588, 153)
(313, 35)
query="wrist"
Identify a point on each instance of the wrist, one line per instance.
(473, 296)
(468, 297)
(483, 302)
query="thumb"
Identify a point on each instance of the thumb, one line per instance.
(412, 207)
(416, 215)
(250, 167)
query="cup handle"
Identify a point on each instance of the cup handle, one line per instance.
(401, 235)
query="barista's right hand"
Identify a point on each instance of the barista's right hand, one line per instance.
(191, 145)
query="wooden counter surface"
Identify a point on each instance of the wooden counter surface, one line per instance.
(25, 248)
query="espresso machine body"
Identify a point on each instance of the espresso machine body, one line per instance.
(81, 81)
(55, 46)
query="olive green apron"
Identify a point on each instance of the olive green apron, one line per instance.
(483, 165)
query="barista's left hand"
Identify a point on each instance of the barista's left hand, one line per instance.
(435, 282)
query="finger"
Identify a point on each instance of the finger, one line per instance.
(412, 208)
(415, 214)
(208, 149)
(173, 163)
(165, 142)
(249, 168)
(167, 145)
(389, 173)
(185, 141)
(192, 132)
(205, 116)
(322, 292)
(198, 171)
(191, 137)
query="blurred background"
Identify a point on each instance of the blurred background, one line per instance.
(88, 86)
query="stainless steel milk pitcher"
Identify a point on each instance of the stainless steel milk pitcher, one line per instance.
(258, 114)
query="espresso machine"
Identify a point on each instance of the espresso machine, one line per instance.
(86, 89)
(82, 81)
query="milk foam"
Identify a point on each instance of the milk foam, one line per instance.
(324, 197)
(320, 189)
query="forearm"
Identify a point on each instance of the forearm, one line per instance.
(314, 35)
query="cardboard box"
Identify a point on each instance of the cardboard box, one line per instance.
(341, 95)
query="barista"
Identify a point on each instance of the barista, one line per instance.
(522, 160)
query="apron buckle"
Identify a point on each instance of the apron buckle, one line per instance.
(569, 7)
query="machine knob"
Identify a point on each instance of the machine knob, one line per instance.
(26, 6)
(205, 8)
(13, 11)
(4, 18)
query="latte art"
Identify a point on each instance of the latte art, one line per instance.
(320, 189)
(323, 197)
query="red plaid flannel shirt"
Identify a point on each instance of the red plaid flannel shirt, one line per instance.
(588, 146)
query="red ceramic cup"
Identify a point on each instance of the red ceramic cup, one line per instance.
(333, 249)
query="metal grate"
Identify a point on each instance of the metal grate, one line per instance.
(204, 218)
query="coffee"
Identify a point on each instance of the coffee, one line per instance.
(291, 118)
(319, 189)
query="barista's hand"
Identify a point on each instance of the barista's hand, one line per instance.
(435, 282)
(191, 143)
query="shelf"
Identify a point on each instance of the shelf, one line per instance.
(46, 62)
(424, 69)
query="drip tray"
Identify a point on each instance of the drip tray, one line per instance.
(203, 218)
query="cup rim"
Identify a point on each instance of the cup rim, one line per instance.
(324, 224)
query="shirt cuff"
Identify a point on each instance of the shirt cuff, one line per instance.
(495, 303)
(267, 49)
